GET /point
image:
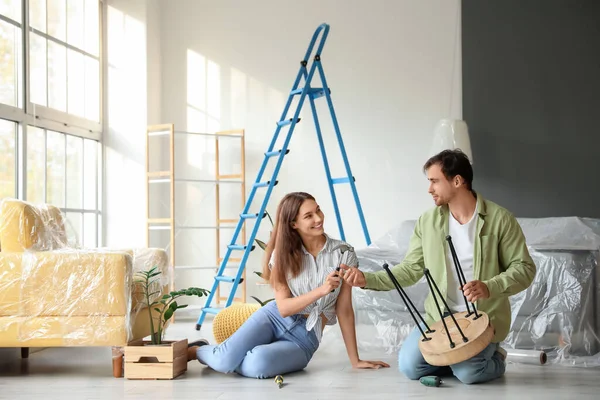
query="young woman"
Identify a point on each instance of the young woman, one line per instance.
(282, 336)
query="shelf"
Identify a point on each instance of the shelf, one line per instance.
(167, 180)
(166, 132)
(162, 227)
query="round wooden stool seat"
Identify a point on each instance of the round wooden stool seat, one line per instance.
(438, 350)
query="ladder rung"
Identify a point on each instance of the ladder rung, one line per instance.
(251, 216)
(287, 122)
(319, 93)
(275, 153)
(211, 310)
(155, 174)
(233, 176)
(336, 181)
(264, 184)
(229, 279)
(239, 247)
(311, 91)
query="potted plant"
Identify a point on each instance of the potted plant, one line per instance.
(158, 358)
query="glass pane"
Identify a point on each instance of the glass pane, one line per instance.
(57, 76)
(89, 230)
(8, 172)
(36, 164)
(55, 171)
(74, 172)
(9, 54)
(73, 226)
(92, 27)
(92, 89)
(76, 83)
(37, 14)
(75, 23)
(38, 80)
(57, 19)
(90, 176)
(11, 9)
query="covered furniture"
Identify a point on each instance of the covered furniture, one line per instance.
(54, 295)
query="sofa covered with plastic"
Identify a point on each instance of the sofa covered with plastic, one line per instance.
(56, 295)
(558, 314)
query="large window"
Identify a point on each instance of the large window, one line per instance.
(8, 150)
(63, 171)
(50, 108)
(64, 49)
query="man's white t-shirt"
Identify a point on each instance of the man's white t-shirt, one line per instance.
(463, 239)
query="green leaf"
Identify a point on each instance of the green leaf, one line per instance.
(182, 306)
(173, 306)
(259, 301)
(258, 273)
(261, 244)
(168, 314)
(157, 309)
(166, 296)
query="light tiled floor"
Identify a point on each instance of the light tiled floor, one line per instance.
(86, 373)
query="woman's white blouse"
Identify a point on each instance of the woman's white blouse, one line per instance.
(313, 274)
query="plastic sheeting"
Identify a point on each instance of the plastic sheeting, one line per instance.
(558, 314)
(52, 294)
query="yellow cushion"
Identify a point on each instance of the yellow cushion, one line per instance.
(25, 226)
(229, 320)
(65, 283)
(63, 331)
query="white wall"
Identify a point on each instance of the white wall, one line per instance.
(390, 64)
(132, 101)
(207, 65)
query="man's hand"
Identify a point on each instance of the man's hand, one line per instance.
(353, 276)
(475, 290)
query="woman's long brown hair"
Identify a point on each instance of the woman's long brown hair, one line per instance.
(285, 240)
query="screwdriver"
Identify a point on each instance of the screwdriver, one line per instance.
(432, 381)
(279, 381)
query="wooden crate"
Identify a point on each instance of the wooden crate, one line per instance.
(146, 361)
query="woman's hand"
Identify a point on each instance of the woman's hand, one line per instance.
(332, 282)
(370, 365)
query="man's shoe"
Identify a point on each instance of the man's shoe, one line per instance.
(199, 343)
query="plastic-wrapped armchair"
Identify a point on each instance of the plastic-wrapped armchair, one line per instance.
(53, 295)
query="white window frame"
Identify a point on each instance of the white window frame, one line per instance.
(54, 120)
(46, 117)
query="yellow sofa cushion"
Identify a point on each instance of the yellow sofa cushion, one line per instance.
(63, 331)
(25, 226)
(65, 283)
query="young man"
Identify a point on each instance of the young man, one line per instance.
(491, 249)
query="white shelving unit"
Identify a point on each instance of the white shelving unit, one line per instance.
(168, 172)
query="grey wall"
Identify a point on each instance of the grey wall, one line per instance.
(531, 98)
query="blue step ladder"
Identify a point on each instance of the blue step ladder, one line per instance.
(303, 91)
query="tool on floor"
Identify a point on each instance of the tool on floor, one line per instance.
(432, 381)
(279, 381)
(302, 91)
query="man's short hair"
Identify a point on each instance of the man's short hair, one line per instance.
(453, 163)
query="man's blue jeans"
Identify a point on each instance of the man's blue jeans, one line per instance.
(483, 367)
(266, 345)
